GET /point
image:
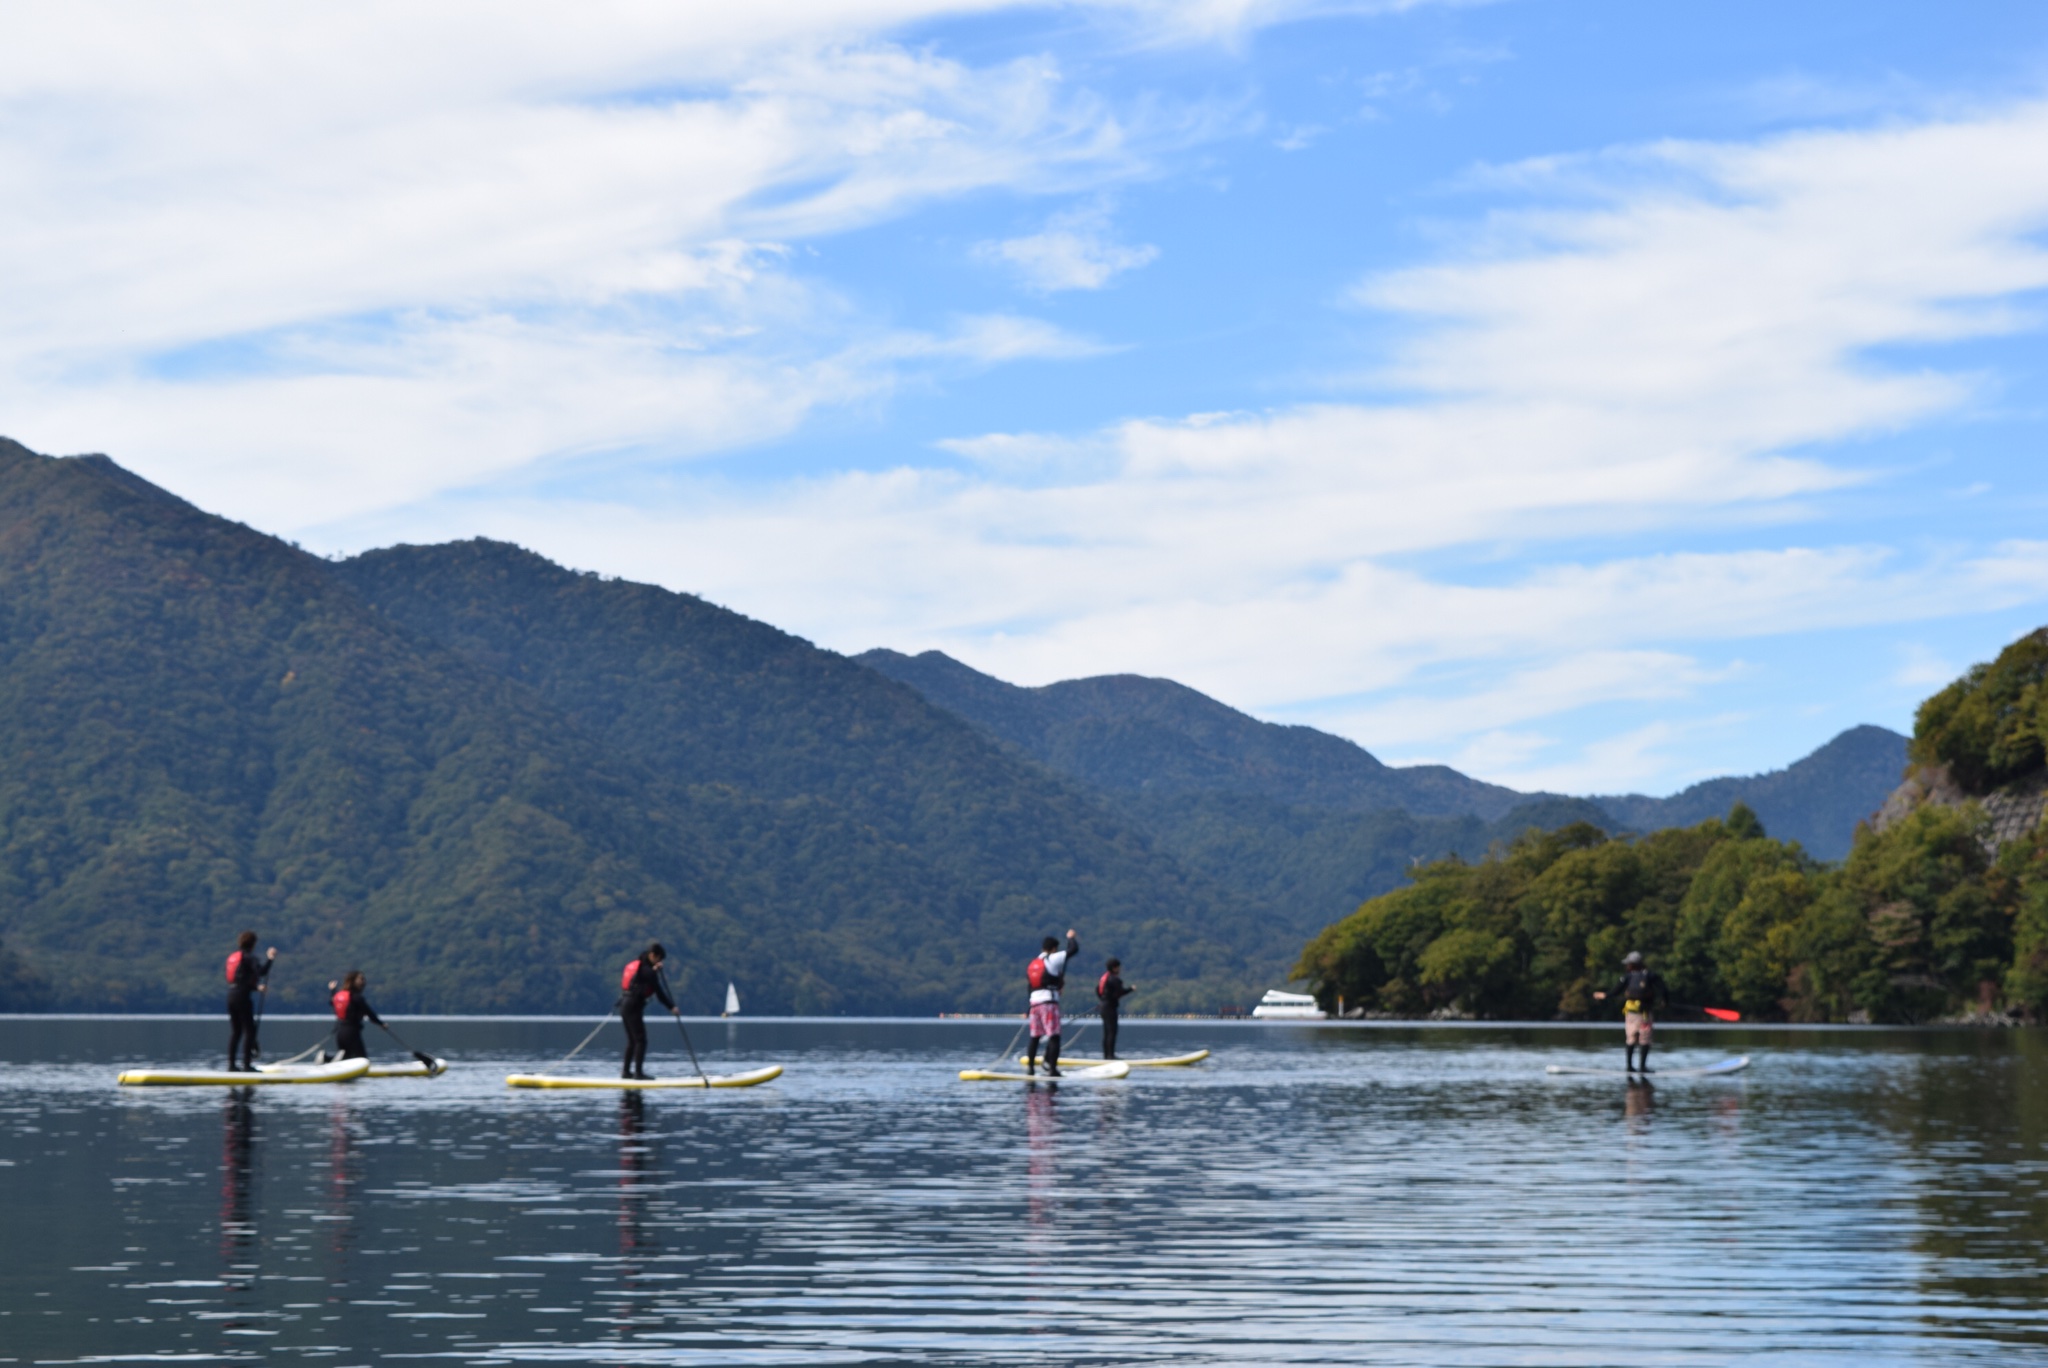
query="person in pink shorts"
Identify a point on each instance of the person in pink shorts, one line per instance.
(1642, 992)
(1047, 974)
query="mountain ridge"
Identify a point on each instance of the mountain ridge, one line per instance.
(1138, 735)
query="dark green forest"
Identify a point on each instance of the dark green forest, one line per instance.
(1939, 911)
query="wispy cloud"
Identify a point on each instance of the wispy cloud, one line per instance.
(1075, 251)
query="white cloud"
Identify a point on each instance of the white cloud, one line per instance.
(1074, 252)
(1679, 350)
(363, 253)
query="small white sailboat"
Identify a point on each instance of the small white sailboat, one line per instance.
(732, 1001)
(1279, 1006)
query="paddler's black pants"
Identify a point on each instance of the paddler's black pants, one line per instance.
(1109, 1033)
(635, 1022)
(241, 1028)
(348, 1038)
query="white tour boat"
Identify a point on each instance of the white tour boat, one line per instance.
(1279, 1006)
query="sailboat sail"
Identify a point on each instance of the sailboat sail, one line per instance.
(732, 1000)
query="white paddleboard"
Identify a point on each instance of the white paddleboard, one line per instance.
(1116, 1068)
(340, 1071)
(738, 1080)
(1725, 1066)
(397, 1068)
(1156, 1062)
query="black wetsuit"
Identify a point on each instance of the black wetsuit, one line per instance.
(645, 983)
(250, 971)
(1110, 992)
(348, 1023)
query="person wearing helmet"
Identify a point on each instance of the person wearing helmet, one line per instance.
(1642, 992)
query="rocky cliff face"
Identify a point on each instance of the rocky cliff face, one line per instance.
(2011, 811)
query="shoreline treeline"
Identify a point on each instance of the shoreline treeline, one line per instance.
(1939, 911)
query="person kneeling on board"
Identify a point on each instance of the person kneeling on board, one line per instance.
(1047, 974)
(1111, 990)
(246, 972)
(641, 981)
(351, 1007)
(1642, 992)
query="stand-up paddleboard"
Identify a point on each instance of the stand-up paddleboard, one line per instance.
(1724, 1066)
(340, 1071)
(400, 1068)
(1116, 1068)
(738, 1080)
(1156, 1062)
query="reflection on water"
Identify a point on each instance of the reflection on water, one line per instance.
(1311, 1195)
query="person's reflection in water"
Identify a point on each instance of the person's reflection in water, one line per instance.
(238, 1235)
(342, 1180)
(237, 1177)
(1042, 1252)
(1640, 1100)
(637, 1244)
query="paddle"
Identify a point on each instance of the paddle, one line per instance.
(1717, 1013)
(662, 974)
(425, 1059)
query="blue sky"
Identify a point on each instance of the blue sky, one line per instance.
(1593, 396)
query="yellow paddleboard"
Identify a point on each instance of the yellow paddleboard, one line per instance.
(738, 1080)
(1101, 1073)
(340, 1071)
(1157, 1062)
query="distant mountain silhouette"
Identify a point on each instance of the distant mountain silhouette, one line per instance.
(1126, 734)
(1135, 734)
(1816, 801)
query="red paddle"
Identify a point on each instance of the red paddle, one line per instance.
(1722, 1013)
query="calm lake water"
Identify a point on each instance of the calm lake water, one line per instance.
(1309, 1195)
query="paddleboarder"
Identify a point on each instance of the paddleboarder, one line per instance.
(351, 1008)
(1642, 992)
(1047, 974)
(246, 974)
(1110, 990)
(641, 981)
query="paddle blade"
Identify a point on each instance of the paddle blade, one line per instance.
(1722, 1013)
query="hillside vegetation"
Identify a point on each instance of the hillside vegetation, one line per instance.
(1934, 915)
(488, 800)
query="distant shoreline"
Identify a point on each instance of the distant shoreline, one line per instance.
(968, 1018)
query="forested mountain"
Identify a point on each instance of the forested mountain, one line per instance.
(1816, 801)
(1128, 735)
(203, 728)
(1132, 734)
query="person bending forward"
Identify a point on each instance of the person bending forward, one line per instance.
(641, 981)
(351, 1008)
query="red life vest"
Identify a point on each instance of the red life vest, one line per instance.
(234, 967)
(1034, 973)
(626, 978)
(1102, 986)
(341, 1002)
